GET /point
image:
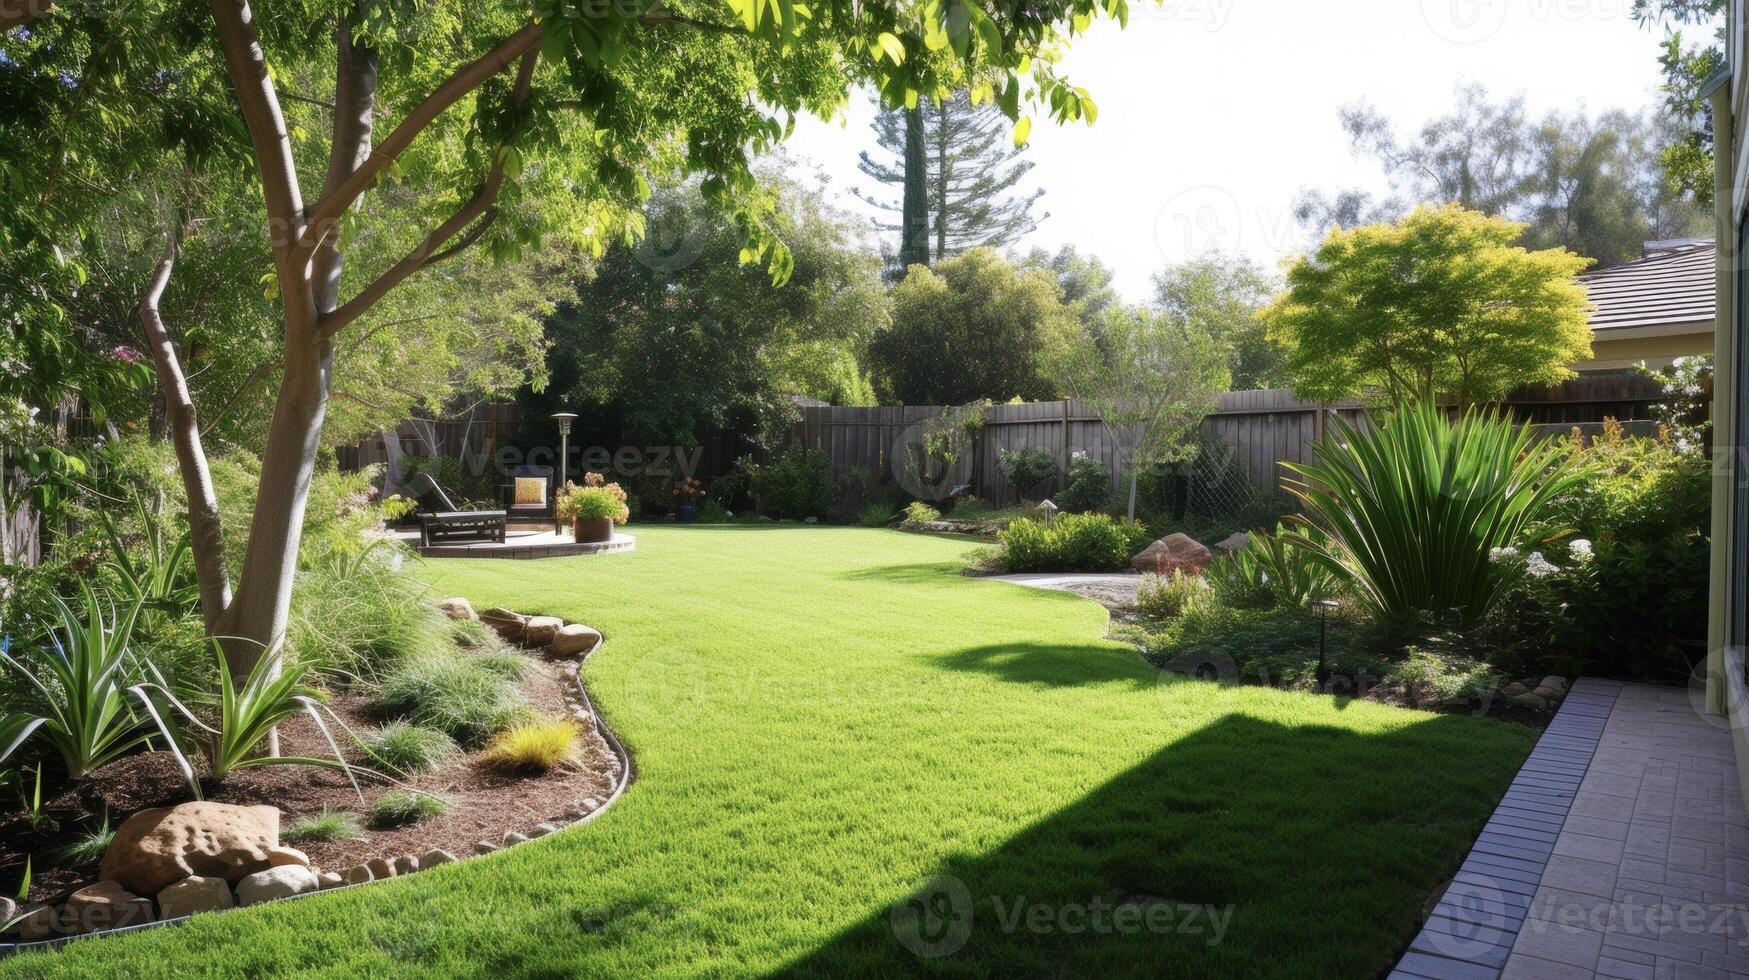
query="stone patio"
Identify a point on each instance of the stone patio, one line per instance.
(1620, 850)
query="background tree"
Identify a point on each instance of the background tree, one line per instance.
(972, 327)
(1225, 297)
(1442, 302)
(684, 341)
(969, 167)
(510, 128)
(1150, 377)
(1593, 185)
(1688, 159)
(1085, 281)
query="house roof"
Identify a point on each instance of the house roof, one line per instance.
(1671, 286)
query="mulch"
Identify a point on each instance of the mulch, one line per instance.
(486, 801)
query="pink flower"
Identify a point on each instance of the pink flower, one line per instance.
(123, 352)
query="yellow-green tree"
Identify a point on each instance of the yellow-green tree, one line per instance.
(1439, 303)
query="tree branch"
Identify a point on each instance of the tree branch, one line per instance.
(426, 252)
(237, 396)
(325, 214)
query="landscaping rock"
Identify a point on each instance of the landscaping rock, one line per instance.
(486, 847)
(37, 924)
(406, 864)
(156, 848)
(359, 875)
(512, 838)
(1233, 542)
(1514, 688)
(281, 882)
(543, 829)
(1528, 700)
(540, 630)
(194, 894)
(282, 856)
(435, 857)
(458, 608)
(330, 879)
(8, 909)
(509, 625)
(572, 640)
(1554, 684)
(380, 868)
(1173, 553)
(105, 905)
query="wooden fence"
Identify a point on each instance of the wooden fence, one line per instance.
(1260, 429)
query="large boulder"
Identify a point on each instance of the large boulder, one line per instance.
(1173, 553)
(281, 882)
(572, 640)
(154, 849)
(194, 894)
(509, 625)
(540, 630)
(105, 905)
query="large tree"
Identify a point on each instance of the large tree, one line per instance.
(507, 124)
(970, 167)
(971, 327)
(1225, 296)
(1443, 302)
(1590, 184)
(1687, 67)
(1150, 376)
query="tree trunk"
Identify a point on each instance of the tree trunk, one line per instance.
(941, 179)
(1135, 475)
(206, 534)
(914, 220)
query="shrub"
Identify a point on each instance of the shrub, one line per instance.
(1026, 468)
(329, 825)
(1425, 679)
(1088, 487)
(875, 515)
(796, 484)
(856, 490)
(1240, 581)
(918, 512)
(358, 618)
(593, 503)
(1272, 569)
(451, 693)
(402, 807)
(712, 512)
(535, 745)
(1276, 645)
(409, 748)
(1161, 598)
(508, 664)
(1069, 543)
(86, 847)
(1413, 507)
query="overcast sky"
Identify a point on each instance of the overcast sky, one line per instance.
(1214, 113)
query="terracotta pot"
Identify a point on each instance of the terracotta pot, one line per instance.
(592, 532)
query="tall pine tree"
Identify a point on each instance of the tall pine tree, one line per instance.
(959, 159)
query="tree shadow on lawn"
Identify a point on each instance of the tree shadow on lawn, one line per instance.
(1247, 848)
(1055, 664)
(915, 573)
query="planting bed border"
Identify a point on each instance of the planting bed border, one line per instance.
(627, 774)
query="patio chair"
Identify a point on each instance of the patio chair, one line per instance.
(529, 494)
(451, 522)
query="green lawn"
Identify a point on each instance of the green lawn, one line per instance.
(826, 719)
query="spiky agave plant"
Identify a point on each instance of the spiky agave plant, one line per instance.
(1411, 509)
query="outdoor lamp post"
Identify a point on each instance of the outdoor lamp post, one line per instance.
(1048, 509)
(564, 420)
(1323, 607)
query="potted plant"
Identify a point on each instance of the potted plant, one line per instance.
(688, 493)
(593, 509)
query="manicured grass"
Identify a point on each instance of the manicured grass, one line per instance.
(826, 719)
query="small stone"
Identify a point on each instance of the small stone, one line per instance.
(572, 640)
(1528, 700)
(512, 838)
(359, 875)
(281, 856)
(105, 905)
(281, 882)
(810, 520)
(576, 813)
(380, 868)
(457, 608)
(509, 625)
(543, 829)
(406, 864)
(196, 893)
(540, 630)
(435, 857)
(592, 803)
(330, 879)
(37, 924)
(486, 847)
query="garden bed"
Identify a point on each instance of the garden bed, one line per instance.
(486, 800)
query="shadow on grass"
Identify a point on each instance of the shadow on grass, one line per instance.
(1052, 664)
(929, 573)
(1247, 848)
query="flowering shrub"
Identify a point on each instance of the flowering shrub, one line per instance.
(592, 501)
(687, 491)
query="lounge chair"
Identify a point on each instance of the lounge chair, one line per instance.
(451, 522)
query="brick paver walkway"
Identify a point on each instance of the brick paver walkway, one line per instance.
(1621, 850)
